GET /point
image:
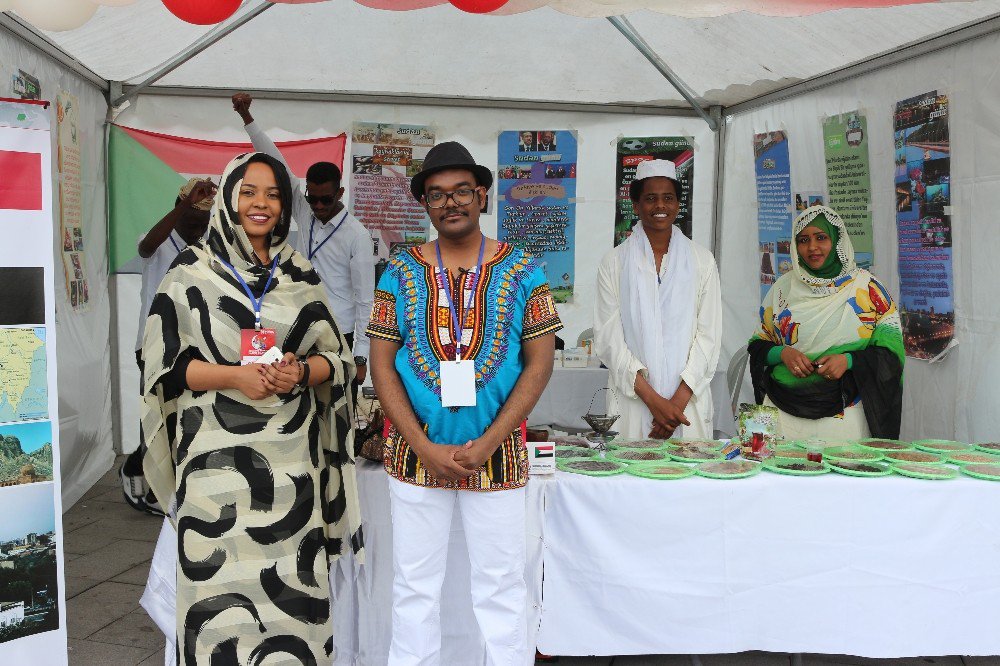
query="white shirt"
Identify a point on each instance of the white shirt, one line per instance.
(702, 360)
(154, 268)
(345, 263)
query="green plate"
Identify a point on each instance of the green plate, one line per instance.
(923, 457)
(941, 445)
(700, 443)
(989, 447)
(972, 458)
(989, 472)
(851, 453)
(636, 456)
(574, 441)
(862, 468)
(882, 445)
(660, 470)
(727, 469)
(654, 444)
(931, 472)
(693, 454)
(573, 453)
(795, 467)
(591, 467)
(786, 451)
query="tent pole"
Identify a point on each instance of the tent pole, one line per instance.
(720, 178)
(630, 33)
(191, 51)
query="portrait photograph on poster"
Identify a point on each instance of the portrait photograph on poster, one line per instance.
(25, 453)
(29, 586)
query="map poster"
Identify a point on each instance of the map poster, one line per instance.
(923, 223)
(536, 201)
(384, 157)
(32, 594)
(70, 205)
(632, 151)
(848, 179)
(774, 206)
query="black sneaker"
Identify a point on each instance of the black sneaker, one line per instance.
(135, 489)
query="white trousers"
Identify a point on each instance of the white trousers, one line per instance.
(494, 525)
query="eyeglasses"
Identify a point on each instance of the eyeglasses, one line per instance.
(326, 199)
(462, 197)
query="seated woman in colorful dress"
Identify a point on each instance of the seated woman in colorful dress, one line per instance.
(829, 351)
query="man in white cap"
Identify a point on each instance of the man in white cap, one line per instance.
(184, 224)
(658, 317)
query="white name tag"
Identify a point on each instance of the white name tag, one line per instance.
(458, 383)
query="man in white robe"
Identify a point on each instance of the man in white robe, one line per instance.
(658, 318)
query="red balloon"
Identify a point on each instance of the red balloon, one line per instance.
(202, 12)
(478, 6)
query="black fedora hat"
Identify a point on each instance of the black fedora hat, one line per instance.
(449, 155)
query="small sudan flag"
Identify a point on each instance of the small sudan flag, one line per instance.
(544, 450)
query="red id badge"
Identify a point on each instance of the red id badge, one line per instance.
(254, 344)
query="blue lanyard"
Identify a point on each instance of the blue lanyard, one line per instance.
(455, 320)
(173, 242)
(312, 226)
(243, 283)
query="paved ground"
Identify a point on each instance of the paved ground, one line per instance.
(108, 550)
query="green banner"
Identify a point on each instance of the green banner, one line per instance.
(141, 188)
(845, 146)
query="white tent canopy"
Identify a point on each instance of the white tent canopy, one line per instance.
(543, 54)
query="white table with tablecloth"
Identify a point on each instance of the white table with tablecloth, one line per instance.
(876, 567)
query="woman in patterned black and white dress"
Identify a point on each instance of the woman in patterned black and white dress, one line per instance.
(255, 461)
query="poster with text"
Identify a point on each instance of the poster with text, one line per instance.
(774, 206)
(70, 206)
(32, 595)
(536, 195)
(923, 221)
(384, 158)
(848, 180)
(632, 151)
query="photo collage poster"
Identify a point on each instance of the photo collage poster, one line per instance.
(536, 201)
(923, 221)
(384, 158)
(32, 606)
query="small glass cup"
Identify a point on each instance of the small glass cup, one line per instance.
(814, 450)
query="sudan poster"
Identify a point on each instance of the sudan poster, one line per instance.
(923, 221)
(634, 150)
(774, 206)
(146, 171)
(536, 195)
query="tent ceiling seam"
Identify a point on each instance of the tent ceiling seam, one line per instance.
(198, 46)
(944, 40)
(357, 97)
(632, 35)
(26, 33)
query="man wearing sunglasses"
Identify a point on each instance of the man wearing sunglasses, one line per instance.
(337, 244)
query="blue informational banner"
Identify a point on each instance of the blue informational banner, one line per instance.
(536, 201)
(774, 206)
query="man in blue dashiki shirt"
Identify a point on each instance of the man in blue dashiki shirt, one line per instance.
(463, 333)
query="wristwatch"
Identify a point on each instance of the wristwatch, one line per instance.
(360, 360)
